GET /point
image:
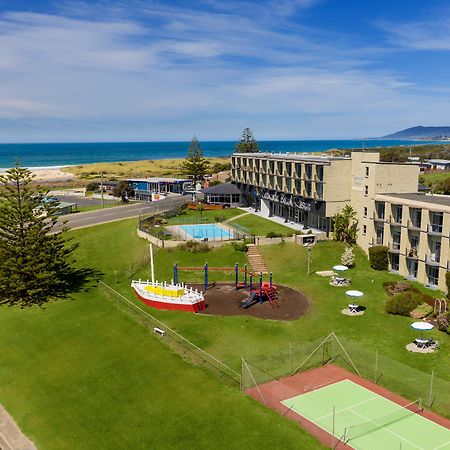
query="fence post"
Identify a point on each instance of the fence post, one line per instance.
(206, 275)
(430, 404)
(175, 274)
(236, 268)
(260, 287)
(376, 365)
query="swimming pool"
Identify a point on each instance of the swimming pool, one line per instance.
(208, 231)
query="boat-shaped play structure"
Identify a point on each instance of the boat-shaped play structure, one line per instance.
(168, 296)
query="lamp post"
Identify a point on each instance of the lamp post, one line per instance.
(308, 251)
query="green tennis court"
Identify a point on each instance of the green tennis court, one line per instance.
(367, 420)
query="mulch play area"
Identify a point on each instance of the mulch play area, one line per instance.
(222, 299)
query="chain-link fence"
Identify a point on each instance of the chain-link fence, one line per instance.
(173, 339)
(269, 374)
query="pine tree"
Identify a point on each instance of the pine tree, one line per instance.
(34, 262)
(195, 165)
(247, 143)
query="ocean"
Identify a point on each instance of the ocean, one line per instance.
(50, 155)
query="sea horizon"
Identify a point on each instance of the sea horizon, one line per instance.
(57, 155)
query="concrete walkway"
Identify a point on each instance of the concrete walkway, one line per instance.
(11, 438)
(236, 217)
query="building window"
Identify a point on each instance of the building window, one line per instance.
(436, 222)
(364, 229)
(397, 211)
(367, 171)
(380, 235)
(379, 206)
(433, 275)
(366, 190)
(395, 261)
(365, 211)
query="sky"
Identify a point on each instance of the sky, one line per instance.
(141, 70)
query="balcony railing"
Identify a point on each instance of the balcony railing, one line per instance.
(414, 224)
(395, 220)
(433, 258)
(394, 247)
(435, 228)
(377, 217)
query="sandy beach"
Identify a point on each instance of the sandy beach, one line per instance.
(49, 174)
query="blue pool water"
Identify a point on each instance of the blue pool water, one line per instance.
(210, 231)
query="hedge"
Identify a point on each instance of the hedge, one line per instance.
(378, 257)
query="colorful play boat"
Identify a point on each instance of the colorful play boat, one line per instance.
(170, 296)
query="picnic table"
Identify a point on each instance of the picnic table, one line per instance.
(421, 343)
(353, 308)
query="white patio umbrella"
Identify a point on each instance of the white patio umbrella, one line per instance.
(353, 293)
(340, 268)
(422, 326)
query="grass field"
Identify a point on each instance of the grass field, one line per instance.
(81, 374)
(252, 224)
(434, 177)
(208, 216)
(146, 168)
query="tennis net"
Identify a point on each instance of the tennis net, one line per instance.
(370, 425)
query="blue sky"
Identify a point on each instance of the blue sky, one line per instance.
(139, 70)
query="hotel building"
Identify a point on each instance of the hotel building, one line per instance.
(312, 189)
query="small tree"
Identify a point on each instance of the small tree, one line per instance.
(348, 258)
(345, 226)
(124, 190)
(200, 208)
(247, 143)
(195, 165)
(35, 263)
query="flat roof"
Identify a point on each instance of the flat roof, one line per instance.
(438, 161)
(157, 180)
(324, 158)
(431, 199)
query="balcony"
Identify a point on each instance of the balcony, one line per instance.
(435, 229)
(395, 220)
(377, 218)
(318, 179)
(414, 224)
(433, 259)
(394, 247)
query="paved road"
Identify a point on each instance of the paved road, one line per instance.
(97, 217)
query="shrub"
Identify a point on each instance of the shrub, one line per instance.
(421, 311)
(447, 282)
(91, 187)
(273, 234)
(403, 303)
(395, 287)
(443, 322)
(348, 258)
(378, 257)
(240, 246)
(194, 247)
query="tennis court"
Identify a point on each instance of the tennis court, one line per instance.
(368, 421)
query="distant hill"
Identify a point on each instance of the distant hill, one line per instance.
(421, 133)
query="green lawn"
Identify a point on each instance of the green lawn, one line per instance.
(208, 216)
(252, 224)
(434, 177)
(95, 206)
(81, 374)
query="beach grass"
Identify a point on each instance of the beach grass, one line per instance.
(134, 169)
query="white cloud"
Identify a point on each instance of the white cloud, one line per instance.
(174, 71)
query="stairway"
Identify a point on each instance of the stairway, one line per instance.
(255, 259)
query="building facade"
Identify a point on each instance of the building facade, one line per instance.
(312, 189)
(146, 188)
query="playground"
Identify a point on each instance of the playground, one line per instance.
(252, 294)
(222, 299)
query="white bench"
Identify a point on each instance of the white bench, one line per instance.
(157, 330)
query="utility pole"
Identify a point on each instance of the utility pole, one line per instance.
(101, 187)
(308, 251)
